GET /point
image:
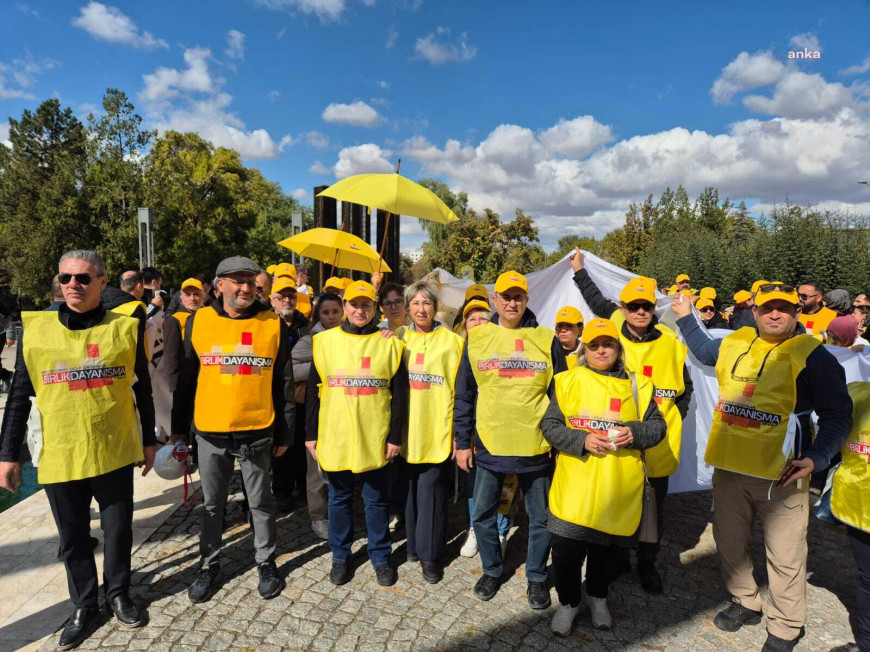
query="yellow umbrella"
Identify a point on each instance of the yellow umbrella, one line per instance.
(336, 248)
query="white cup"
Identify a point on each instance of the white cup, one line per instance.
(612, 434)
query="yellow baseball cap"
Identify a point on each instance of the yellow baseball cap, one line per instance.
(285, 269)
(569, 315)
(776, 290)
(303, 304)
(682, 277)
(192, 283)
(672, 290)
(511, 279)
(638, 289)
(346, 282)
(283, 283)
(704, 303)
(360, 289)
(599, 327)
(476, 304)
(741, 295)
(707, 293)
(476, 290)
(756, 284)
(271, 269)
(334, 283)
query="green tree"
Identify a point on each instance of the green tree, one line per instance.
(567, 243)
(458, 203)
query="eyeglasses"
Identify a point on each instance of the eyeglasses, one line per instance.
(512, 298)
(250, 284)
(284, 297)
(780, 287)
(392, 304)
(707, 310)
(804, 297)
(82, 279)
(756, 377)
(607, 344)
(565, 326)
(634, 307)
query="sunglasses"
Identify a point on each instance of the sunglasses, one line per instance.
(634, 307)
(708, 310)
(607, 344)
(804, 297)
(779, 287)
(82, 279)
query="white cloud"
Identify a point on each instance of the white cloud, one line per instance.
(858, 69)
(28, 10)
(319, 168)
(392, 37)
(806, 40)
(380, 101)
(300, 194)
(286, 142)
(4, 134)
(325, 10)
(110, 24)
(272, 96)
(799, 95)
(576, 138)
(317, 139)
(384, 84)
(358, 114)
(191, 99)
(437, 51)
(747, 71)
(362, 159)
(19, 75)
(235, 45)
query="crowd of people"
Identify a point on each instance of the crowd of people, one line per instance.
(365, 385)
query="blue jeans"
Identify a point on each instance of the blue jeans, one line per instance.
(504, 522)
(487, 493)
(374, 495)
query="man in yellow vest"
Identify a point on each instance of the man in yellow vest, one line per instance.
(84, 364)
(192, 299)
(502, 389)
(761, 445)
(653, 351)
(235, 393)
(814, 315)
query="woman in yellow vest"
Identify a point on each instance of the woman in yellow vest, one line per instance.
(602, 416)
(850, 503)
(432, 354)
(569, 326)
(356, 407)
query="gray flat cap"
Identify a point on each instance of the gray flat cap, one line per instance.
(237, 265)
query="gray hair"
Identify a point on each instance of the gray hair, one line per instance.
(130, 279)
(421, 287)
(87, 255)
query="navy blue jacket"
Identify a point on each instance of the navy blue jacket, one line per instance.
(466, 405)
(821, 387)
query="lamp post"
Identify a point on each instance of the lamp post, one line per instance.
(146, 237)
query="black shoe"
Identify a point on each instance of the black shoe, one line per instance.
(386, 574)
(201, 589)
(271, 584)
(340, 573)
(539, 595)
(126, 612)
(735, 616)
(77, 628)
(284, 503)
(650, 579)
(486, 587)
(777, 644)
(848, 647)
(413, 557)
(432, 571)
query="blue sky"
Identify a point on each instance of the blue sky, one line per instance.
(568, 110)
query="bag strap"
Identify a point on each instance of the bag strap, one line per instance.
(633, 377)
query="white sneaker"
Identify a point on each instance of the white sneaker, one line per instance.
(469, 548)
(321, 529)
(502, 539)
(563, 620)
(599, 612)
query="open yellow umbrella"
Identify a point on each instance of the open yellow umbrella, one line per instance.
(337, 248)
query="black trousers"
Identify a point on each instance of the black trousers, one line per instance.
(71, 506)
(860, 541)
(289, 470)
(426, 510)
(649, 551)
(568, 557)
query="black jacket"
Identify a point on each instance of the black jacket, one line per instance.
(298, 327)
(399, 390)
(282, 384)
(716, 322)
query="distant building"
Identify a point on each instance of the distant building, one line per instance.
(415, 255)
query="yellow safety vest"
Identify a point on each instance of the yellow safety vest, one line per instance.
(817, 322)
(181, 317)
(571, 360)
(602, 493)
(513, 369)
(354, 421)
(83, 382)
(750, 421)
(432, 360)
(129, 308)
(662, 362)
(236, 363)
(850, 495)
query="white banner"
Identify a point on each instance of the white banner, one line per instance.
(553, 287)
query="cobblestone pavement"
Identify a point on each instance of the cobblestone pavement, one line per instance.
(313, 614)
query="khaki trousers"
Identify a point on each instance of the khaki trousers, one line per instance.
(736, 500)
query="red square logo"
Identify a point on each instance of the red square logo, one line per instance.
(616, 405)
(810, 325)
(420, 357)
(93, 350)
(749, 390)
(247, 339)
(647, 371)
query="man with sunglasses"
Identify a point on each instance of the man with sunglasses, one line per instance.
(652, 350)
(761, 445)
(235, 393)
(502, 391)
(814, 314)
(84, 364)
